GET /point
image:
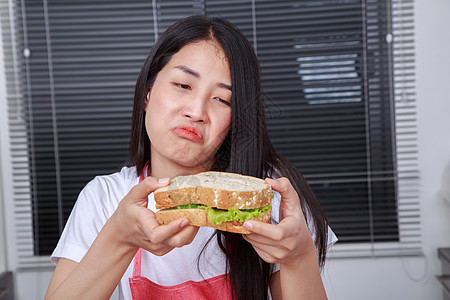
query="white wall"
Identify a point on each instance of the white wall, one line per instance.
(385, 278)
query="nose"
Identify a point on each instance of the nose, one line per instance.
(195, 108)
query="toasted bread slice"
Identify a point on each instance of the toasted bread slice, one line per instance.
(215, 189)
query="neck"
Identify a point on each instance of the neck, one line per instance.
(161, 168)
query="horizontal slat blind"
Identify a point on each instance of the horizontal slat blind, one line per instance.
(18, 140)
(81, 92)
(406, 125)
(78, 62)
(328, 73)
(339, 98)
(401, 34)
(169, 12)
(240, 13)
(325, 96)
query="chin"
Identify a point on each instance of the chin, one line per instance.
(194, 162)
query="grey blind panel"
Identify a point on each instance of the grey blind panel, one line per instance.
(79, 76)
(324, 125)
(85, 57)
(406, 124)
(240, 13)
(20, 206)
(327, 70)
(169, 12)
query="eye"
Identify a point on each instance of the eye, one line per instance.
(182, 86)
(223, 101)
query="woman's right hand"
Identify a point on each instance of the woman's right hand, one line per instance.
(134, 224)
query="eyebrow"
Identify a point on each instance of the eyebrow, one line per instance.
(189, 71)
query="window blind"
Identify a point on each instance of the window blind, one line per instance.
(335, 122)
(74, 67)
(402, 34)
(339, 90)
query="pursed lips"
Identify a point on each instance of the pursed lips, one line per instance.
(188, 132)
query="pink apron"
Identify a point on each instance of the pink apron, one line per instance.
(143, 288)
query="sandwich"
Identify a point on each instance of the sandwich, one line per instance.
(215, 199)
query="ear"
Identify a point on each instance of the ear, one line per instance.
(147, 99)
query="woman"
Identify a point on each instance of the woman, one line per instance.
(197, 107)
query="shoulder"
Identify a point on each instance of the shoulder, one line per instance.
(95, 204)
(114, 183)
(106, 191)
(276, 202)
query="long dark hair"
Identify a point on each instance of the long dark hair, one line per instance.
(247, 149)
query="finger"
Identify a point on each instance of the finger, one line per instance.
(268, 233)
(182, 238)
(284, 187)
(258, 239)
(159, 233)
(290, 203)
(266, 252)
(267, 230)
(147, 186)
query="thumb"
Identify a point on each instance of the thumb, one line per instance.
(290, 202)
(147, 186)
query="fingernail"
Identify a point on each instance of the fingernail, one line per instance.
(270, 180)
(184, 223)
(248, 225)
(163, 180)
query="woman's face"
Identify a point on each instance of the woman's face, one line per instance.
(188, 110)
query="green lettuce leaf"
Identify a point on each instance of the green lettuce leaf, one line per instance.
(218, 216)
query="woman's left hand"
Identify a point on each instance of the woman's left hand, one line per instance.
(290, 240)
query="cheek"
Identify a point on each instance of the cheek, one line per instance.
(156, 109)
(224, 125)
(152, 122)
(227, 119)
(148, 125)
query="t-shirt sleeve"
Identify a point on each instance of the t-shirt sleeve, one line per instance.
(332, 239)
(275, 218)
(87, 218)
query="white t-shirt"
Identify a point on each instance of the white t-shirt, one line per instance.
(98, 201)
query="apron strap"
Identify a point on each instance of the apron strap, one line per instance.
(137, 264)
(144, 172)
(137, 256)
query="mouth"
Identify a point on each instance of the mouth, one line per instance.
(189, 133)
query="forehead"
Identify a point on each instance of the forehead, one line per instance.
(201, 51)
